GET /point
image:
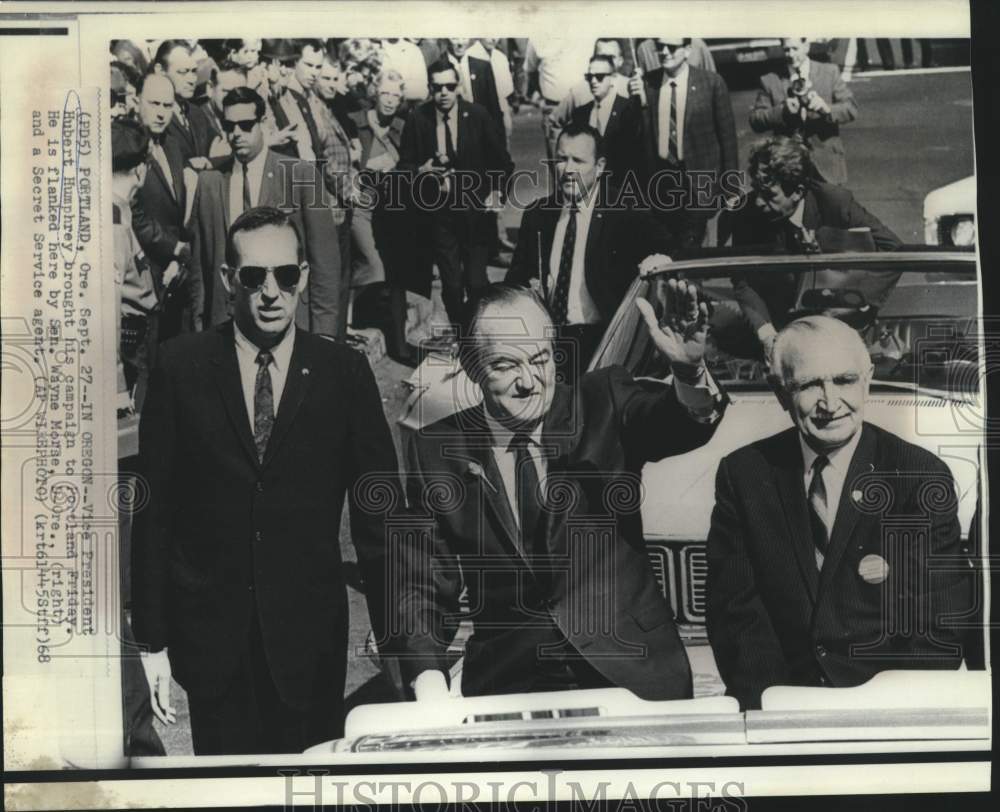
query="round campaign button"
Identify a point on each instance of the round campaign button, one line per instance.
(873, 569)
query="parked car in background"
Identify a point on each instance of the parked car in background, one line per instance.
(950, 214)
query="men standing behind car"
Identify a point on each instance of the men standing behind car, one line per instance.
(513, 490)
(253, 433)
(810, 99)
(822, 536)
(583, 249)
(789, 210)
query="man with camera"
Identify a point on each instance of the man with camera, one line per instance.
(811, 99)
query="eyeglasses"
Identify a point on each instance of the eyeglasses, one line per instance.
(449, 86)
(246, 125)
(668, 47)
(600, 77)
(252, 277)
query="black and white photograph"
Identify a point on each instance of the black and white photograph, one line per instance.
(554, 399)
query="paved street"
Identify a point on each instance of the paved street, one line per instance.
(913, 134)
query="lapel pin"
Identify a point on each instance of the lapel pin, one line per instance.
(857, 496)
(476, 470)
(472, 76)
(873, 569)
(305, 370)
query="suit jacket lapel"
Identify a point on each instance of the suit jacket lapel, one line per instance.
(847, 518)
(227, 378)
(297, 385)
(693, 99)
(810, 212)
(498, 506)
(789, 478)
(590, 252)
(561, 434)
(270, 189)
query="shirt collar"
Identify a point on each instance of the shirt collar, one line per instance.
(587, 204)
(680, 78)
(840, 460)
(255, 162)
(281, 352)
(795, 218)
(503, 435)
(451, 115)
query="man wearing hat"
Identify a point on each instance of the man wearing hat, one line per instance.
(822, 536)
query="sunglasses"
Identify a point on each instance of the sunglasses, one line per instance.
(252, 277)
(449, 86)
(600, 77)
(666, 46)
(246, 125)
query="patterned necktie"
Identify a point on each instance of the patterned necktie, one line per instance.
(818, 508)
(263, 403)
(673, 153)
(246, 188)
(529, 507)
(560, 293)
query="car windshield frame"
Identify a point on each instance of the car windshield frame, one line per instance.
(621, 344)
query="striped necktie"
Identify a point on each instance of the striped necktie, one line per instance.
(818, 508)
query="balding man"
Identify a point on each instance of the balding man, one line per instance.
(189, 127)
(806, 583)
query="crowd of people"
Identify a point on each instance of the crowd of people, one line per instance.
(270, 193)
(394, 155)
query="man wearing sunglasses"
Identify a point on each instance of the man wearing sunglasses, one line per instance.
(456, 147)
(688, 135)
(260, 176)
(254, 431)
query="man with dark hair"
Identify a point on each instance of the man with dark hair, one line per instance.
(688, 133)
(292, 126)
(556, 605)
(582, 247)
(159, 213)
(188, 126)
(137, 301)
(790, 210)
(455, 146)
(260, 176)
(225, 76)
(613, 116)
(806, 584)
(253, 434)
(810, 99)
(301, 88)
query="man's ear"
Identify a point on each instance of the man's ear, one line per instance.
(304, 278)
(227, 276)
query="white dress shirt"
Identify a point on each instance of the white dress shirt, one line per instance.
(834, 476)
(407, 58)
(663, 114)
(255, 174)
(580, 307)
(246, 359)
(506, 459)
(600, 113)
(502, 77)
(453, 121)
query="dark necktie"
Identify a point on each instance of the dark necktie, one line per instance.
(449, 142)
(560, 293)
(818, 506)
(673, 151)
(246, 188)
(263, 403)
(529, 506)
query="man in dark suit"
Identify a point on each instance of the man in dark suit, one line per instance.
(253, 433)
(476, 82)
(293, 128)
(531, 470)
(821, 542)
(457, 154)
(159, 214)
(262, 177)
(810, 99)
(189, 127)
(688, 137)
(613, 116)
(788, 210)
(585, 266)
(222, 78)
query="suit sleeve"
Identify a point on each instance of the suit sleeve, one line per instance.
(151, 539)
(857, 216)
(653, 422)
(409, 159)
(765, 115)
(430, 582)
(754, 307)
(374, 472)
(725, 125)
(524, 263)
(843, 107)
(498, 158)
(743, 640)
(158, 244)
